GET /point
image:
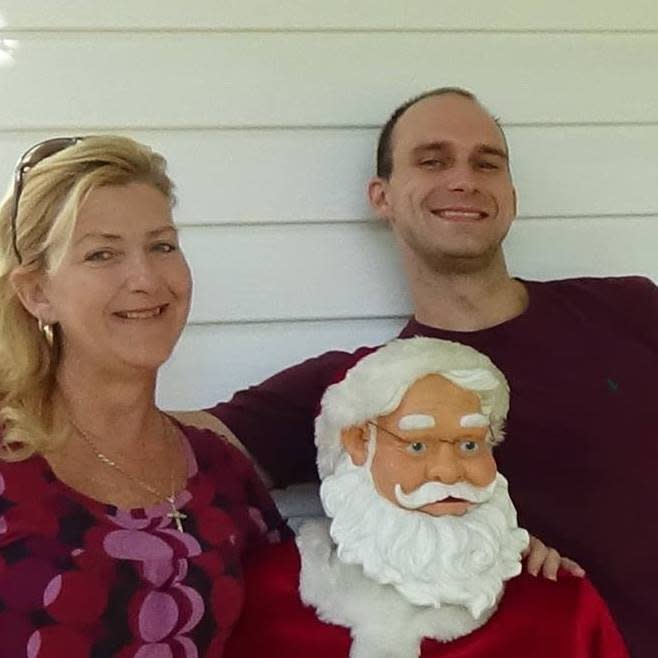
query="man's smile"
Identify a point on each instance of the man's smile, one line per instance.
(460, 213)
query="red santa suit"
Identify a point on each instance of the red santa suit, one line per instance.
(536, 618)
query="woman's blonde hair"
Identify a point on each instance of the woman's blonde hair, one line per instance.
(53, 192)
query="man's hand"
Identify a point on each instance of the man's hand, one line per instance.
(548, 560)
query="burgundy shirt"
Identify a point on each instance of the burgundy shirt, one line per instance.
(581, 453)
(81, 579)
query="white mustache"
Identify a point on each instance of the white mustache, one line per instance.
(434, 492)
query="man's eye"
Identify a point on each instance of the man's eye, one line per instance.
(487, 165)
(416, 448)
(431, 162)
(469, 447)
(165, 247)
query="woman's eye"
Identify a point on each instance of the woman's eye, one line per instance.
(99, 256)
(416, 448)
(469, 447)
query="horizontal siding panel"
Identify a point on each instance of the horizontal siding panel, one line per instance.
(146, 80)
(554, 249)
(212, 361)
(311, 175)
(252, 175)
(367, 14)
(585, 170)
(292, 272)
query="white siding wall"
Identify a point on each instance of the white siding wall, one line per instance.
(267, 112)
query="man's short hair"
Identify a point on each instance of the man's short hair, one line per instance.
(384, 144)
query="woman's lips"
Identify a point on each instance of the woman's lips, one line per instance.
(142, 314)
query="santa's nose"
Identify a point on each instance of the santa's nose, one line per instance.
(444, 466)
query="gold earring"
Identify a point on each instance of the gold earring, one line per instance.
(47, 331)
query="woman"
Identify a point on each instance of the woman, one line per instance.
(121, 531)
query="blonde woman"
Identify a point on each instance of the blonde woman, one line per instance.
(121, 531)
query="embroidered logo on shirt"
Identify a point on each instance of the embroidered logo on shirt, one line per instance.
(613, 386)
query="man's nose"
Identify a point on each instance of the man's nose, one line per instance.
(462, 179)
(444, 465)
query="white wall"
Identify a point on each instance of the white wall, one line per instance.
(267, 112)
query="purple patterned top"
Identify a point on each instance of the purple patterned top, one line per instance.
(82, 579)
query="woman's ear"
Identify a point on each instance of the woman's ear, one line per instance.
(29, 287)
(355, 443)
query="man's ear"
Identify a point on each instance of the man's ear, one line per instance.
(378, 197)
(29, 287)
(355, 443)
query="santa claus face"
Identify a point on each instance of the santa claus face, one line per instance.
(415, 498)
(432, 452)
(431, 560)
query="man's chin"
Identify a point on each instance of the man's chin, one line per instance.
(462, 255)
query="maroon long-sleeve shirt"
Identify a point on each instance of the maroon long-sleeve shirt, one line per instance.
(581, 452)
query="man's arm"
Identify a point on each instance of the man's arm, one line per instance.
(273, 422)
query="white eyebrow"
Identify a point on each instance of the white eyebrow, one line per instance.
(416, 422)
(474, 420)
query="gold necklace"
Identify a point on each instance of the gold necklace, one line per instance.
(176, 515)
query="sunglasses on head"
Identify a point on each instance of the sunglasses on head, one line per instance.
(29, 159)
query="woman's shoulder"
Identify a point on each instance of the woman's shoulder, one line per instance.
(235, 481)
(215, 453)
(214, 442)
(28, 500)
(25, 480)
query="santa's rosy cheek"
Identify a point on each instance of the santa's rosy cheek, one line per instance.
(481, 473)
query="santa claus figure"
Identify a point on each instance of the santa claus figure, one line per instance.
(420, 553)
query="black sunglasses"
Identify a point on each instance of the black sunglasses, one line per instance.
(29, 159)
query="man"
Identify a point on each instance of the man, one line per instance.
(580, 356)
(423, 544)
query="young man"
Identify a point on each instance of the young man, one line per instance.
(580, 356)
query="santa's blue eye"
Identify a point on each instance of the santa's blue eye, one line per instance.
(416, 448)
(469, 447)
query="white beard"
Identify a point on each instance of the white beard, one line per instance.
(431, 561)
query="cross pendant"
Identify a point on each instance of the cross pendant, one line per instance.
(177, 517)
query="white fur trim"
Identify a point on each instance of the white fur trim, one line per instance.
(383, 623)
(376, 385)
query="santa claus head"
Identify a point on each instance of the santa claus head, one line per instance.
(405, 451)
